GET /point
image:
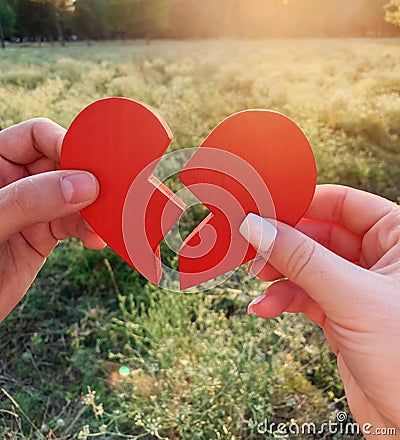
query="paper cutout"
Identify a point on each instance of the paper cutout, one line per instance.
(278, 151)
(254, 161)
(116, 139)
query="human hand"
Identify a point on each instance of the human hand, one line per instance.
(38, 205)
(342, 264)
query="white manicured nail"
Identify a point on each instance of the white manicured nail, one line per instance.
(255, 302)
(258, 299)
(259, 232)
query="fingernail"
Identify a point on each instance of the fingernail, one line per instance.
(255, 302)
(79, 187)
(259, 232)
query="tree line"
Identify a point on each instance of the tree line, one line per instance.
(181, 19)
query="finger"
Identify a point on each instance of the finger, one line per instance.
(333, 236)
(307, 264)
(42, 165)
(91, 240)
(381, 241)
(263, 270)
(284, 296)
(28, 141)
(76, 226)
(44, 197)
(389, 264)
(43, 237)
(39, 238)
(356, 210)
(9, 172)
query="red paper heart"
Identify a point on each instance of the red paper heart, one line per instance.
(261, 141)
(255, 161)
(116, 139)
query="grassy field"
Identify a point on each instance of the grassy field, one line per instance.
(199, 367)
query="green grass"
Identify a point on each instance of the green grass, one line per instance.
(200, 368)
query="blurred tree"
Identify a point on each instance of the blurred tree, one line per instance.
(91, 18)
(139, 18)
(36, 19)
(152, 17)
(121, 18)
(42, 18)
(392, 12)
(7, 21)
(102, 19)
(61, 10)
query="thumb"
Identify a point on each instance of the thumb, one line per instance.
(328, 278)
(44, 197)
